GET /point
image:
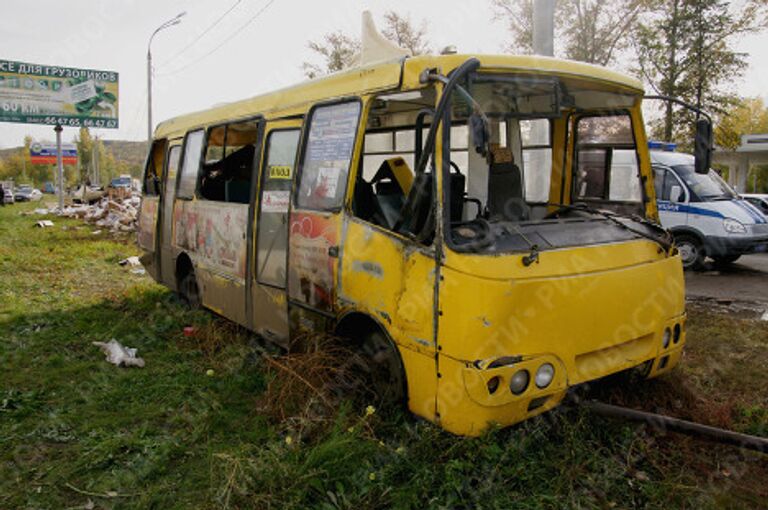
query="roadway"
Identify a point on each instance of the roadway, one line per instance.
(746, 280)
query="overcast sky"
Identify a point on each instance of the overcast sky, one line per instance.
(265, 54)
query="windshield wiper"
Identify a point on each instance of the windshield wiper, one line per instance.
(665, 241)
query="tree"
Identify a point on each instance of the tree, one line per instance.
(747, 116)
(338, 51)
(84, 143)
(685, 50)
(590, 31)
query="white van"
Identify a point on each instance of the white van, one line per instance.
(706, 216)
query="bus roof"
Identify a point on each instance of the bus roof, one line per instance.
(405, 73)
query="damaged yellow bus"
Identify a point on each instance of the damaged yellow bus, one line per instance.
(483, 228)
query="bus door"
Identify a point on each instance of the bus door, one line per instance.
(329, 138)
(165, 223)
(269, 306)
(150, 207)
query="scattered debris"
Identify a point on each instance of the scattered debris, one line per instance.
(44, 223)
(96, 232)
(765, 316)
(119, 355)
(130, 261)
(138, 271)
(116, 214)
(189, 331)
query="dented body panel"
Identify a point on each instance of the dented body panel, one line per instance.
(464, 324)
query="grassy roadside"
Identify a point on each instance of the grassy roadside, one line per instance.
(75, 430)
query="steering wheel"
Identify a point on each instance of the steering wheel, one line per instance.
(472, 235)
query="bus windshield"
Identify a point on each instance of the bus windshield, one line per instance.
(501, 184)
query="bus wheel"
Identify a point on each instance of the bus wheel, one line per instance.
(725, 260)
(691, 251)
(189, 291)
(383, 370)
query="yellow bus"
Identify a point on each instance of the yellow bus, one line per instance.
(483, 228)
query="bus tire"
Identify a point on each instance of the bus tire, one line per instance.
(691, 251)
(383, 370)
(189, 290)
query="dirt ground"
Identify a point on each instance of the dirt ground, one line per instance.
(745, 281)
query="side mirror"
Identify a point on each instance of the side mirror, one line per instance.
(676, 194)
(481, 136)
(703, 146)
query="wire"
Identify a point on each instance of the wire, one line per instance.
(225, 41)
(202, 34)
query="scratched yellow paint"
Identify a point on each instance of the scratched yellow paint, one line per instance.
(587, 311)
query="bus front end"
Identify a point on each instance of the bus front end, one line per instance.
(554, 271)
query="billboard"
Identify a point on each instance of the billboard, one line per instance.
(73, 97)
(44, 153)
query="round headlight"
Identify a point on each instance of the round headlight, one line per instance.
(519, 382)
(677, 333)
(544, 375)
(665, 339)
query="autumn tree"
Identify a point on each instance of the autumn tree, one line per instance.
(590, 31)
(685, 49)
(337, 51)
(747, 116)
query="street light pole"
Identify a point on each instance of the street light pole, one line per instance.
(171, 22)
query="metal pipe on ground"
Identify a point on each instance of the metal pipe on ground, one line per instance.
(755, 443)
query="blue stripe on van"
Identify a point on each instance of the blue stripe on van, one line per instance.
(665, 205)
(751, 210)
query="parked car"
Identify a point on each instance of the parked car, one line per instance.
(7, 197)
(705, 215)
(26, 193)
(86, 194)
(758, 200)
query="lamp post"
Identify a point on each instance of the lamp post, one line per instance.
(171, 22)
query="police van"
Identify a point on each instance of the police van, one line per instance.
(705, 215)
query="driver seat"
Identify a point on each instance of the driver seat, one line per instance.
(506, 198)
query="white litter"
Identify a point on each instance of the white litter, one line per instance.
(44, 223)
(119, 355)
(96, 232)
(116, 214)
(130, 261)
(765, 316)
(138, 271)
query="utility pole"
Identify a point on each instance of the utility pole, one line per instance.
(60, 165)
(171, 22)
(544, 27)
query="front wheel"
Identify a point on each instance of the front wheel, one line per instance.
(691, 251)
(725, 260)
(383, 370)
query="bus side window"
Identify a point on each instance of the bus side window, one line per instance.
(190, 167)
(153, 173)
(327, 156)
(606, 158)
(228, 165)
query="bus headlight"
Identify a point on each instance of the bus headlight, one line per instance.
(519, 382)
(734, 226)
(544, 375)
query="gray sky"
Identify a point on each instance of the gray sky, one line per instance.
(265, 55)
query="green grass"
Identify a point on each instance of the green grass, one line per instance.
(74, 428)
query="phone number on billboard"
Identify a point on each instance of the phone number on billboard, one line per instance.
(89, 123)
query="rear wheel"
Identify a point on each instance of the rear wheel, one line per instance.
(691, 251)
(189, 291)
